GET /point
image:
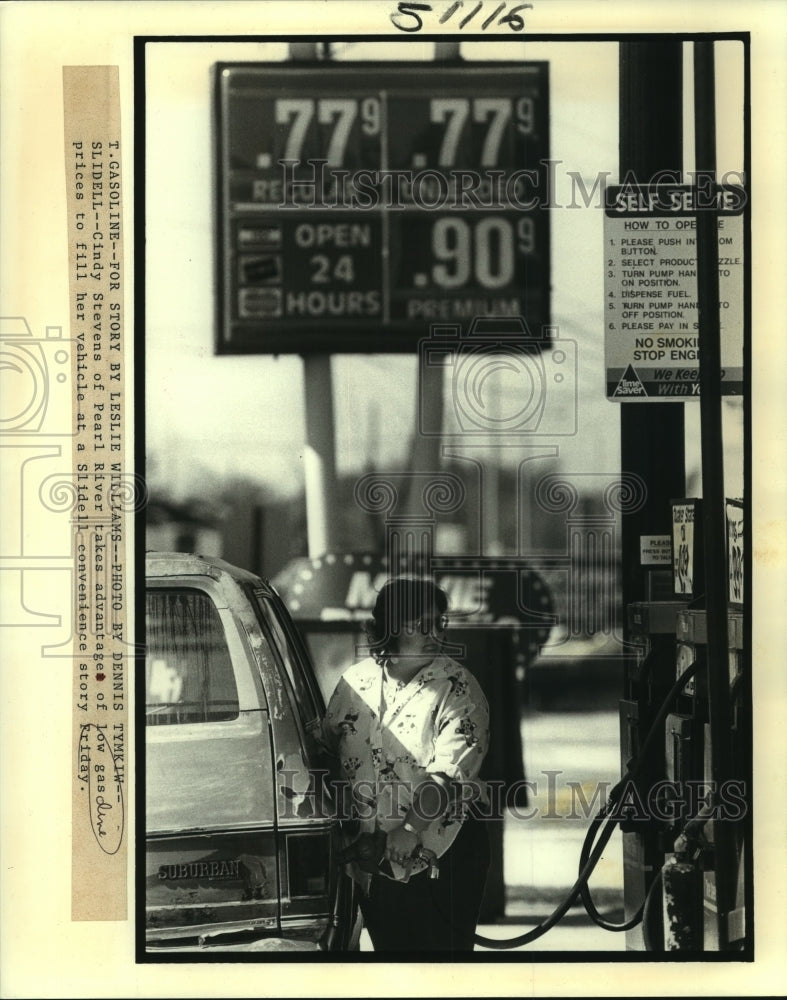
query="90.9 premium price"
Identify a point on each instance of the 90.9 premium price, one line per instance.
(454, 267)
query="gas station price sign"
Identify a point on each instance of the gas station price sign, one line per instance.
(358, 204)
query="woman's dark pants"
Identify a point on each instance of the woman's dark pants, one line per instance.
(427, 914)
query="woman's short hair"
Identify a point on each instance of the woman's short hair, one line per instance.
(402, 600)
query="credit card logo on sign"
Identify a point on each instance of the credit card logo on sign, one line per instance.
(265, 237)
(259, 302)
(260, 270)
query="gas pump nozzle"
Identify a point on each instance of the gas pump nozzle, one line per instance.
(368, 850)
(430, 858)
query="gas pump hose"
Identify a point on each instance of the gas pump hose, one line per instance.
(590, 855)
(632, 773)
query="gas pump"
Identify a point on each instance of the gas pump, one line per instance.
(695, 851)
(648, 677)
(671, 866)
(684, 864)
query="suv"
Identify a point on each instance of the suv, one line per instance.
(242, 853)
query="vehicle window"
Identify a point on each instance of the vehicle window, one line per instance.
(188, 669)
(303, 695)
(305, 703)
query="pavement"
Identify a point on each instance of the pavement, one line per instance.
(570, 757)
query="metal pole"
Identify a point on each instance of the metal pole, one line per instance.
(713, 506)
(320, 454)
(651, 434)
(446, 51)
(427, 449)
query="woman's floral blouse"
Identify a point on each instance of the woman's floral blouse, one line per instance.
(389, 736)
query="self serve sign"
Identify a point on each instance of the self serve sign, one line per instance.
(650, 292)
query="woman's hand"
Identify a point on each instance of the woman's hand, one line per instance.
(400, 845)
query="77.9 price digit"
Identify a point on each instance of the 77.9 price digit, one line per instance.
(339, 113)
(455, 112)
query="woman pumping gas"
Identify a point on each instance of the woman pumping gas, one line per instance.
(409, 728)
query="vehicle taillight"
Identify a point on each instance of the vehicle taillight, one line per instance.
(308, 864)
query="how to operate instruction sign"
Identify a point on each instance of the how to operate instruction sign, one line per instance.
(650, 291)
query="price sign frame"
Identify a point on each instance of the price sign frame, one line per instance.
(348, 217)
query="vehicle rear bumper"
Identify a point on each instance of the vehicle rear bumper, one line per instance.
(263, 944)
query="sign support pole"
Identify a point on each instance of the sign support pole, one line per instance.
(429, 397)
(651, 434)
(320, 453)
(713, 508)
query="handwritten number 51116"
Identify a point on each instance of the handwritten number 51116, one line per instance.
(408, 15)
